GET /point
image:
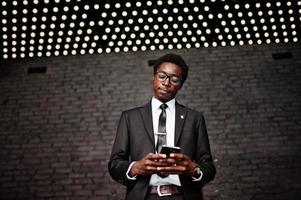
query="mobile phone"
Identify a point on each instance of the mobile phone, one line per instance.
(168, 150)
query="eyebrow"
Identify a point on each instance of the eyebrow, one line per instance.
(169, 73)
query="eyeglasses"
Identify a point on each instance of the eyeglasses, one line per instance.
(174, 80)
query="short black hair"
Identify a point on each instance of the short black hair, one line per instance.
(173, 58)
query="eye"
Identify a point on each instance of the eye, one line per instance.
(175, 79)
(161, 75)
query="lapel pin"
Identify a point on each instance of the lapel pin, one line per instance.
(182, 116)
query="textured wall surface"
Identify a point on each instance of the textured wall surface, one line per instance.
(57, 128)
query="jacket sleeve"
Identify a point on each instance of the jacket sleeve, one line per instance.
(119, 161)
(203, 154)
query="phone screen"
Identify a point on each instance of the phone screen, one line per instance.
(168, 150)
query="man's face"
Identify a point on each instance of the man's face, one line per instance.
(166, 87)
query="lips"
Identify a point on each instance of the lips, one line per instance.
(163, 90)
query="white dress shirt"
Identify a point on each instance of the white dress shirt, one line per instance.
(170, 138)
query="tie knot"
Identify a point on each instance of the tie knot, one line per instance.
(163, 106)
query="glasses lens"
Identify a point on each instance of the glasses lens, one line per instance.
(175, 80)
(162, 76)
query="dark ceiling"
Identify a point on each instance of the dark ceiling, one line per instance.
(39, 28)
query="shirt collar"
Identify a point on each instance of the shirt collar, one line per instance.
(156, 103)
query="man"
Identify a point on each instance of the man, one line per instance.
(136, 161)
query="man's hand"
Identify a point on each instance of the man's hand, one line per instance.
(178, 163)
(148, 165)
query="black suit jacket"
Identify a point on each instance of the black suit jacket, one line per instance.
(135, 139)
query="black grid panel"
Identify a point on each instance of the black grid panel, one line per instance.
(38, 28)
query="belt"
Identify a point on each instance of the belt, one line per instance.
(164, 190)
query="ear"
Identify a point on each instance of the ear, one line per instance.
(180, 86)
(153, 77)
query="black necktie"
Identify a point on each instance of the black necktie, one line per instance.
(162, 132)
(161, 128)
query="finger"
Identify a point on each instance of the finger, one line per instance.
(159, 155)
(152, 163)
(174, 168)
(148, 172)
(178, 155)
(171, 160)
(150, 168)
(155, 157)
(170, 172)
(149, 155)
(182, 162)
(162, 163)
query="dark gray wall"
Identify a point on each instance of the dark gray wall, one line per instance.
(57, 128)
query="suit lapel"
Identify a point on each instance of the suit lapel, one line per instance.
(180, 118)
(146, 113)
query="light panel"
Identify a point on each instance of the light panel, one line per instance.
(65, 27)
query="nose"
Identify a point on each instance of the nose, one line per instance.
(166, 82)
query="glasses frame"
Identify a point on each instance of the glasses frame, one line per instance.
(169, 76)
